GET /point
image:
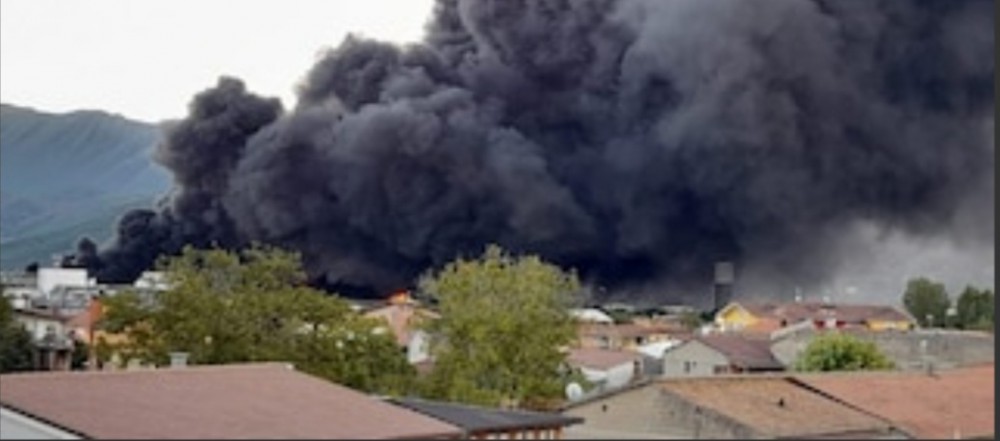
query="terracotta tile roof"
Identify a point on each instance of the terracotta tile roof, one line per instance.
(402, 319)
(742, 351)
(625, 330)
(774, 406)
(478, 418)
(795, 312)
(221, 402)
(601, 359)
(948, 403)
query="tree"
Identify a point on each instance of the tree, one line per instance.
(926, 301)
(253, 306)
(975, 309)
(16, 349)
(504, 321)
(841, 352)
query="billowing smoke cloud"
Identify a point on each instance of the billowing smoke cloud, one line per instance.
(634, 140)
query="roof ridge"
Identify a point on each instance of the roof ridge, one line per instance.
(164, 369)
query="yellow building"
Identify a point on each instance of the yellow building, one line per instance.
(769, 317)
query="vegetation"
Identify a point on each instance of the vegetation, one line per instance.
(15, 342)
(930, 305)
(841, 352)
(975, 309)
(504, 322)
(927, 301)
(253, 306)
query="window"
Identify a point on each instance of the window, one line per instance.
(687, 366)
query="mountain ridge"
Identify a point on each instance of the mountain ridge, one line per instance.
(68, 175)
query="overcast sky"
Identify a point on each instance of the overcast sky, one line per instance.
(145, 59)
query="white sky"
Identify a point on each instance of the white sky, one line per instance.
(145, 59)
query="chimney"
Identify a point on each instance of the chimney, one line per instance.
(178, 360)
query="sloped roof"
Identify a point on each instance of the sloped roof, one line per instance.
(741, 351)
(948, 403)
(259, 401)
(625, 330)
(774, 406)
(601, 359)
(797, 311)
(477, 418)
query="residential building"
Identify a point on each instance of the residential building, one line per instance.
(722, 407)
(720, 354)
(492, 423)
(767, 317)
(628, 336)
(953, 404)
(52, 339)
(403, 317)
(49, 278)
(251, 401)
(606, 369)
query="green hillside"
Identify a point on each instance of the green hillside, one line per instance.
(65, 176)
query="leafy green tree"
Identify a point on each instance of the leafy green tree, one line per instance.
(253, 306)
(16, 349)
(504, 321)
(975, 309)
(927, 301)
(841, 352)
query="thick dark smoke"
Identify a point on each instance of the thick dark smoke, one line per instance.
(633, 140)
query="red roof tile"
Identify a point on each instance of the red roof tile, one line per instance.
(943, 405)
(793, 312)
(774, 406)
(221, 402)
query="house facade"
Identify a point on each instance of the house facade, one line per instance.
(767, 317)
(403, 317)
(52, 339)
(719, 354)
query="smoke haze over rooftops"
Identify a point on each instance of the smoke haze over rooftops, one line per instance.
(637, 141)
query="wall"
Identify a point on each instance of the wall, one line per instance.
(38, 326)
(49, 278)
(734, 317)
(649, 412)
(418, 349)
(631, 413)
(613, 378)
(944, 348)
(16, 426)
(702, 359)
(698, 422)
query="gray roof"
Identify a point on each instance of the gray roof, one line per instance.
(747, 353)
(477, 418)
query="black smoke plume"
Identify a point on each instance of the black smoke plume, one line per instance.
(633, 140)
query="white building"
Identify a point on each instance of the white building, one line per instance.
(50, 278)
(592, 315)
(606, 369)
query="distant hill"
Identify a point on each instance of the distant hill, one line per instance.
(64, 176)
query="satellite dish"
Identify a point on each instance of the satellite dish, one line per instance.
(574, 391)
